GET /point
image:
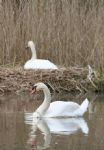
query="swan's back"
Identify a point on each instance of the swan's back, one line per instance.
(61, 108)
(39, 64)
(66, 109)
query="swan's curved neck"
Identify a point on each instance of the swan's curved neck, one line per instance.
(46, 103)
(33, 50)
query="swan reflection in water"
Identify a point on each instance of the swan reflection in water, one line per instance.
(60, 126)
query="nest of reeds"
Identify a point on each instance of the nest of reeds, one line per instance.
(64, 79)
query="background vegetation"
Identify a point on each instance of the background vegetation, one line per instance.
(68, 32)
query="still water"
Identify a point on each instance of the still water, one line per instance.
(18, 132)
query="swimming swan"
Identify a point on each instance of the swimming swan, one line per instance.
(35, 63)
(57, 108)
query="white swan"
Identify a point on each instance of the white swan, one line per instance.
(57, 108)
(35, 63)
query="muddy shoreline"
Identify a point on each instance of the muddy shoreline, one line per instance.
(17, 80)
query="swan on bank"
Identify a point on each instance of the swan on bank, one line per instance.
(57, 108)
(35, 63)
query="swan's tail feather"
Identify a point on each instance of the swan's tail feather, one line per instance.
(83, 108)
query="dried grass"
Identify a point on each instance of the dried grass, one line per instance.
(68, 32)
(69, 80)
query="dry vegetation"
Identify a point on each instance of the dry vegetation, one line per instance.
(68, 32)
(16, 80)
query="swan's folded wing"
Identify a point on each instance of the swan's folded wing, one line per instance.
(61, 108)
(39, 64)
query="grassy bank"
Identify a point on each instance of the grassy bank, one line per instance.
(68, 32)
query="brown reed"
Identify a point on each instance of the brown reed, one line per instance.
(67, 32)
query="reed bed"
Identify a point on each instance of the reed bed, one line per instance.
(67, 32)
(16, 80)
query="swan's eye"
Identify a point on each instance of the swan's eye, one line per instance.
(33, 89)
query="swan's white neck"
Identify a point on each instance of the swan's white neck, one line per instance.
(46, 103)
(33, 51)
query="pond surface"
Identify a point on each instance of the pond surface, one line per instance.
(19, 133)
